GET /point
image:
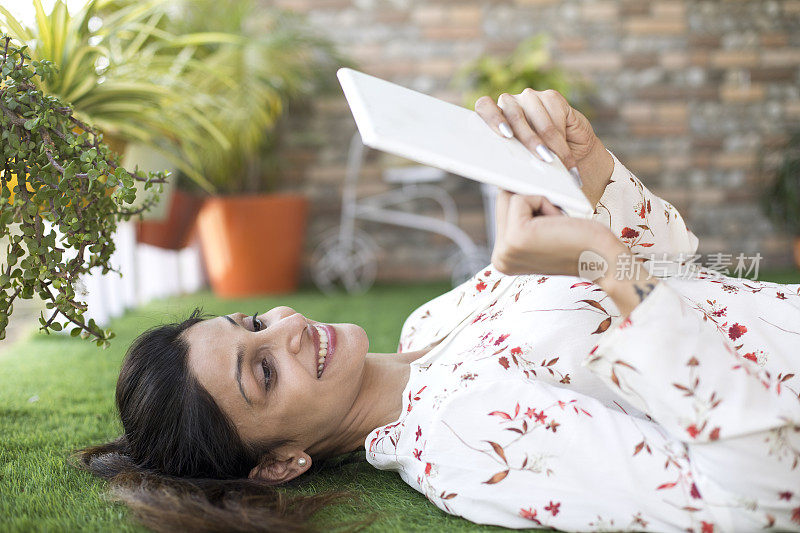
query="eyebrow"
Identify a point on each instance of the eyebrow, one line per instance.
(239, 362)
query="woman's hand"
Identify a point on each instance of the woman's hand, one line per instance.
(534, 237)
(546, 124)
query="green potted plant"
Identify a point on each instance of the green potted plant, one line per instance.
(62, 193)
(252, 235)
(207, 100)
(127, 70)
(124, 73)
(781, 199)
(529, 65)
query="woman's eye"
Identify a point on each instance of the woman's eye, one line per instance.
(257, 325)
(267, 373)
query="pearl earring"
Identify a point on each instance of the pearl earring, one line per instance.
(302, 461)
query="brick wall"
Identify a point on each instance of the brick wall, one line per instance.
(691, 95)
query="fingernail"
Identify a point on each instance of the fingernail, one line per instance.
(545, 153)
(505, 130)
(576, 176)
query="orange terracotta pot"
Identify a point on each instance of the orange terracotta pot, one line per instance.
(173, 232)
(253, 244)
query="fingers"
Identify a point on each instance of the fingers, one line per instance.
(522, 128)
(518, 236)
(548, 117)
(550, 209)
(488, 110)
(523, 208)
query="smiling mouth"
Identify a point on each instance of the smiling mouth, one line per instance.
(322, 355)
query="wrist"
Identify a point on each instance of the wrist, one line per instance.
(596, 169)
(622, 264)
(629, 291)
(626, 281)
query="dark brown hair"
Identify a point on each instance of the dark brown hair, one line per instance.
(180, 464)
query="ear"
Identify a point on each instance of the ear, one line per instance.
(280, 469)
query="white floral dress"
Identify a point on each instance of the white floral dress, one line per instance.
(541, 407)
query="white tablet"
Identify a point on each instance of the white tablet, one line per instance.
(430, 131)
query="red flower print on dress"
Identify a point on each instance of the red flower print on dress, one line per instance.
(796, 515)
(642, 210)
(500, 339)
(530, 412)
(414, 398)
(736, 331)
(487, 273)
(692, 431)
(428, 469)
(780, 296)
(503, 362)
(540, 417)
(751, 356)
(516, 351)
(695, 493)
(785, 495)
(553, 507)
(418, 454)
(729, 288)
(707, 527)
(629, 233)
(530, 514)
(480, 286)
(419, 433)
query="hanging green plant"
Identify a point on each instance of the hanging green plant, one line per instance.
(61, 197)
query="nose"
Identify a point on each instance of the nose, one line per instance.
(280, 312)
(286, 323)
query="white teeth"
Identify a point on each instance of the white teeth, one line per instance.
(323, 350)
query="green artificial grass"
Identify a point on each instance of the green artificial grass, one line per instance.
(56, 395)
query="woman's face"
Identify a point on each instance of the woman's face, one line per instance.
(265, 373)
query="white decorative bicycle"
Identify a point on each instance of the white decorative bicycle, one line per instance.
(346, 256)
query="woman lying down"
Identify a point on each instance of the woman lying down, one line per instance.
(526, 397)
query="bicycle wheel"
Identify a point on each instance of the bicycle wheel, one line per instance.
(347, 263)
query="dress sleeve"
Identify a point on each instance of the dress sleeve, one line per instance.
(643, 221)
(668, 361)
